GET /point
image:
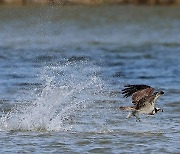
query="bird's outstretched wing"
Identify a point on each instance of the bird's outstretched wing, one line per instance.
(139, 93)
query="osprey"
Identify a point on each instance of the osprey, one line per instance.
(143, 98)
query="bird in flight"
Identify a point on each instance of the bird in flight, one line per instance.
(143, 99)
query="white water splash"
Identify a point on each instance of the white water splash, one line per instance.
(68, 90)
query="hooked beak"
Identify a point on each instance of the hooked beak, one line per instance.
(161, 92)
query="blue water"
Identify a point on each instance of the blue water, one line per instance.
(62, 71)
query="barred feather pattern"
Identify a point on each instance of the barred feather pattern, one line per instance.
(130, 89)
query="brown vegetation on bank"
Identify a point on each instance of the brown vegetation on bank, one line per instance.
(92, 2)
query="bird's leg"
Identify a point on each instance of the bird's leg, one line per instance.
(129, 115)
(137, 117)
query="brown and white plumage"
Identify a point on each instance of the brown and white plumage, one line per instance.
(143, 99)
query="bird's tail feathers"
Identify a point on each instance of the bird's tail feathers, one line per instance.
(127, 108)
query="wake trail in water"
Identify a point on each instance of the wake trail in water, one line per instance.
(68, 89)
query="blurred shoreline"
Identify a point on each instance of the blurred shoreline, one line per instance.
(90, 2)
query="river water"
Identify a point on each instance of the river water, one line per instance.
(62, 71)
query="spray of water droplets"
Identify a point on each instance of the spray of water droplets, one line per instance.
(68, 89)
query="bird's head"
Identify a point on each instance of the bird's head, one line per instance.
(158, 94)
(161, 92)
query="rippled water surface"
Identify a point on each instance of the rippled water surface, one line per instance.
(62, 71)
